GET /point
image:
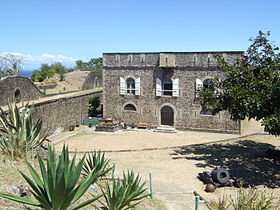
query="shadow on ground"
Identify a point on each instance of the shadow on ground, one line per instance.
(245, 159)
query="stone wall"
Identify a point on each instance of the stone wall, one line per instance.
(60, 113)
(188, 67)
(182, 59)
(18, 88)
(93, 80)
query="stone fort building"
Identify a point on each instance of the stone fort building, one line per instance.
(161, 89)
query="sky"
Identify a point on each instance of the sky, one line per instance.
(47, 31)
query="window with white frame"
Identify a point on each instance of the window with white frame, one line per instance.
(167, 87)
(130, 86)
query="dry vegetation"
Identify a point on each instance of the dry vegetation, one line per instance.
(173, 169)
(72, 81)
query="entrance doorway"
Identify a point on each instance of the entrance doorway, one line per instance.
(167, 116)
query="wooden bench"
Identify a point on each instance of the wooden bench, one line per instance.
(142, 125)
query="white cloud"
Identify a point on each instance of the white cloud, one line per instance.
(48, 56)
(36, 61)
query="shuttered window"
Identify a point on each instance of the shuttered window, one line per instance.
(158, 87)
(198, 86)
(122, 86)
(168, 87)
(175, 88)
(130, 86)
(137, 87)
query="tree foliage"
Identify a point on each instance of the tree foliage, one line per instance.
(48, 71)
(252, 86)
(94, 64)
(93, 105)
(10, 65)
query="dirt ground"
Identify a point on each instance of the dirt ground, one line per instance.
(175, 159)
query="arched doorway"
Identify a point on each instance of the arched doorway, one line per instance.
(167, 116)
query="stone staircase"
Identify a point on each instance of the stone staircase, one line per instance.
(165, 129)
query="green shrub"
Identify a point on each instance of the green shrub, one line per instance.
(19, 133)
(93, 105)
(58, 187)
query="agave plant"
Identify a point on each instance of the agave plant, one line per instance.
(18, 132)
(58, 187)
(96, 162)
(125, 193)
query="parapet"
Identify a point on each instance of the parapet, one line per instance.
(168, 59)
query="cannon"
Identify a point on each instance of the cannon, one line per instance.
(219, 177)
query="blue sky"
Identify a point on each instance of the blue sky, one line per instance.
(60, 30)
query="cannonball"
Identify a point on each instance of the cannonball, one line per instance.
(210, 188)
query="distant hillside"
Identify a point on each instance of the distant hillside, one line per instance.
(72, 81)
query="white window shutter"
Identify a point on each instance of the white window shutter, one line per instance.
(158, 87)
(122, 86)
(175, 87)
(198, 86)
(137, 87)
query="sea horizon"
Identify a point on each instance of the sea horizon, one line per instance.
(26, 73)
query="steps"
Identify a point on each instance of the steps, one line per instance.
(165, 129)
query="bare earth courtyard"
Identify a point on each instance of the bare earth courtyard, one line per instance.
(175, 159)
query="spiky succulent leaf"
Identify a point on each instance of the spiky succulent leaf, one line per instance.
(125, 193)
(58, 187)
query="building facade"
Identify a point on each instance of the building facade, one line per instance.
(161, 89)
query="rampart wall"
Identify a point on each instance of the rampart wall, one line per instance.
(61, 112)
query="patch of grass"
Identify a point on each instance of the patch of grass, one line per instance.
(9, 177)
(247, 199)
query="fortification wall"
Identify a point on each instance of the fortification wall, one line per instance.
(18, 88)
(60, 113)
(93, 80)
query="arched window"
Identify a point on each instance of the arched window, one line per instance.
(167, 87)
(130, 86)
(207, 83)
(17, 95)
(130, 107)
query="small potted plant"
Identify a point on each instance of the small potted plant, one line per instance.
(133, 125)
(71, 127)
(77, 123)
(90, 124)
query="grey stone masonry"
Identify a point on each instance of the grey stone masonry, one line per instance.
(93, 80)
(152, 73)
(182, 59)
(17, 88)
